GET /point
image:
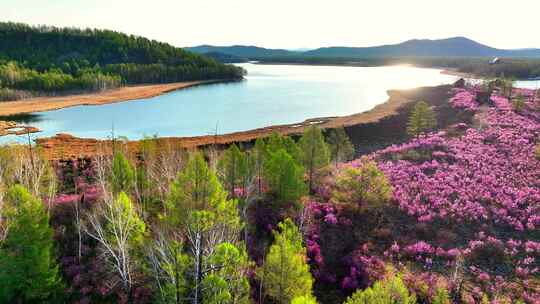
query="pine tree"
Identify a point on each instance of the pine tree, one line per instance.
(422, 119)
(276, 142)
(285, 273)
(341, 148)
(258, 155)
(234, 168)
(122, 175)
(285, 178)
(197, 210)
(389, 290)
(227, 281)
(314, 152)
(366, 186)
(28, 269)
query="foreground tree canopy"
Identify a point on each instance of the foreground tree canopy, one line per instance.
(285, 273)
(28, 268)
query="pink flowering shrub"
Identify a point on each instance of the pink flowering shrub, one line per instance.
(468, 203)
(464, 99)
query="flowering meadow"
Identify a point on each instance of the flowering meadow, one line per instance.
(464, 214)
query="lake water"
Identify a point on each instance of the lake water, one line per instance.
(271, 94)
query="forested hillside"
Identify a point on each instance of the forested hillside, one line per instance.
(52, 59)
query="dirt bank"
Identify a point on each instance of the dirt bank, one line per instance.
(384, 123)
(41, 104)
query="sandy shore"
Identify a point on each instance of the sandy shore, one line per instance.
(66, 146)
(41, 104)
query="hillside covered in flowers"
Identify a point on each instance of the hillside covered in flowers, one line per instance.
(464, 209)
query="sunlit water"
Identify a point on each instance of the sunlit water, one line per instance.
(271, 94)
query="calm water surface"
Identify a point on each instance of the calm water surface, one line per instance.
(271, 94)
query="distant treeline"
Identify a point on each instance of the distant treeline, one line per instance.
(520, 68)
(50, 59)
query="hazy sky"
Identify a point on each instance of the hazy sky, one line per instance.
(293, 23)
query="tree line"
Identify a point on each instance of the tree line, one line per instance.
(50, 59)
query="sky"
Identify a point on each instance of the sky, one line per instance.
(292, 23)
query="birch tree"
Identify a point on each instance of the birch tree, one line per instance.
(119, 231)
(27, 167)
(169, 264)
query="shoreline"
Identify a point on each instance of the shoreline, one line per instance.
(64, 146)
(453, 72)
(51, 103)
(123, 94)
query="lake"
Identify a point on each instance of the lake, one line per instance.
(270, 95)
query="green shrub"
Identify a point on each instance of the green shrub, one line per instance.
(391, 290)
(365, 185)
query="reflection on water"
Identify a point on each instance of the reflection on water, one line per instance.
(271, 94)
(26, 118)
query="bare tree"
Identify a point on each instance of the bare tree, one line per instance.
(163, 167)
(78, 226)
(103, 165)
(118, 229)
(26, 166)
(168, 265)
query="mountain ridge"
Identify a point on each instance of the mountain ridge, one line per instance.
(458, 46)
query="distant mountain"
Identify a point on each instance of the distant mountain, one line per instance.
(226, 58)
(450, 47)
(241, 51)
